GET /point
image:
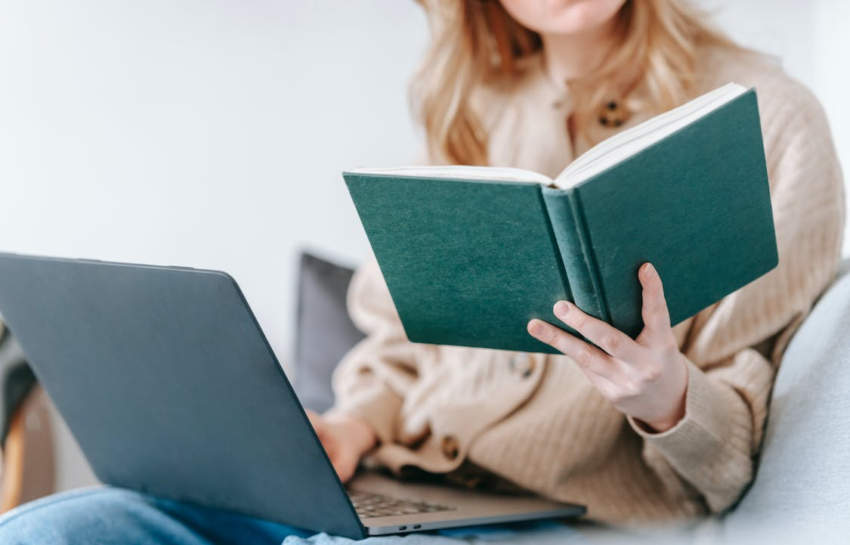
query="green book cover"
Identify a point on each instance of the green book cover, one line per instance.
(470, 258)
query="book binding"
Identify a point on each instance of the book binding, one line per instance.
(565, 216)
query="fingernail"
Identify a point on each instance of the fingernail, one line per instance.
(535, 328)
(650, 270)
(561, 309)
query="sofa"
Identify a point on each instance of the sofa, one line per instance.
(802, 485)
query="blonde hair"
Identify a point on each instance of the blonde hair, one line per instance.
(475, 41)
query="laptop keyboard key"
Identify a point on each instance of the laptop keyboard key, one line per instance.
(369, 505)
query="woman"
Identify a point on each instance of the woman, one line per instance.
(665, 427)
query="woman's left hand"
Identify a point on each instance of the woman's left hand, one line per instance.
(645, 378)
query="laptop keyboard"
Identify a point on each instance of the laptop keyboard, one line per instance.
(369, 505)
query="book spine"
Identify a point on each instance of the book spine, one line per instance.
(568, 226)
(556, 248)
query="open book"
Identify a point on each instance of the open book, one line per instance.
(470, 254)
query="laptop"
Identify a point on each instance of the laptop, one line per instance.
(170, 388)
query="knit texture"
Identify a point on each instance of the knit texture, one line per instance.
(534, 420)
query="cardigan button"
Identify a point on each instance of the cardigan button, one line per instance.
(450, 447)
(522, 364)
(613, 115)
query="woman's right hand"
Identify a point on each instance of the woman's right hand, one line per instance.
(345, 439)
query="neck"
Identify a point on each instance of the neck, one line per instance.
(571, 56)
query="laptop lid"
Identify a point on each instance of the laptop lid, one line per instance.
(170, 387)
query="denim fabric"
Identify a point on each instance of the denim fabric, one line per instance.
(112, 515)
(105, 515)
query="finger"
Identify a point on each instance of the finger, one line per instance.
(586, 356)
(656, 316)
(317, 422)
(345, 465)
(312, 416)
(605, 336)
(605, 385)
(602, 381)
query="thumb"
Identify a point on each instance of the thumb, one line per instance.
(345, 463)
(318, 423)
(656, 317)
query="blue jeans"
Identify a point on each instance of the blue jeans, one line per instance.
(111, 515)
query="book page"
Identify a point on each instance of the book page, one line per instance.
(462, 172)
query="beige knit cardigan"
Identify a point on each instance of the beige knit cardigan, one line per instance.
(534, 420)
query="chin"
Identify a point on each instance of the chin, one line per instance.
(562, 16)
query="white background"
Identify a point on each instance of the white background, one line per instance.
(212, 133)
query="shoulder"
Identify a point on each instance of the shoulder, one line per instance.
(798, 144)
(802, 163)
(783, 101)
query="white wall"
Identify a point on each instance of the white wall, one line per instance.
(831, 66)
(206, 133)
(211, 133)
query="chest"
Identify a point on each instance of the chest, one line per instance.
(537, 136)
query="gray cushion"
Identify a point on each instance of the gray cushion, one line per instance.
(324, 331)
(803, 484)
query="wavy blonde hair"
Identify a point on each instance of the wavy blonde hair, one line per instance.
(475, 41)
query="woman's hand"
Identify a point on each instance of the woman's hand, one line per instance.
(345, 438)
(644, 378)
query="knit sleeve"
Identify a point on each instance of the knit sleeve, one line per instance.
(371, 379)
(739, 342)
